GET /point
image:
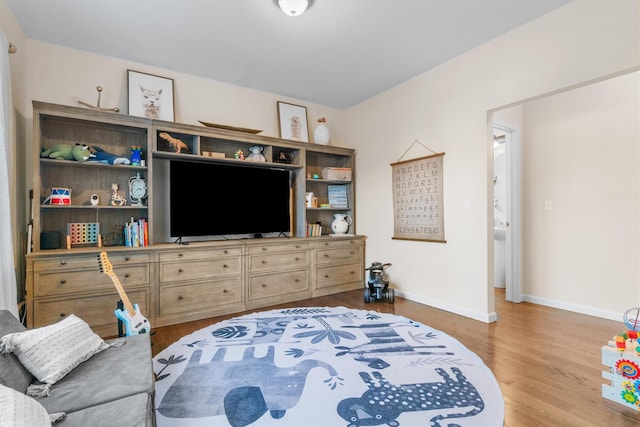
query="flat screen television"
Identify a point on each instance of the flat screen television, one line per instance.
(212, 199)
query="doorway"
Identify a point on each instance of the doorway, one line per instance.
(506, 209)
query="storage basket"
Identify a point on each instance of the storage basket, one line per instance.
(336, 174)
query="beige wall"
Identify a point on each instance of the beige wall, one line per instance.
(581, 151)
(445, 108)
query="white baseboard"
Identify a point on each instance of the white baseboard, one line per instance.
(576, 308)
(482, 317)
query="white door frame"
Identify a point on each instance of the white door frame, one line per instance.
(513, 234)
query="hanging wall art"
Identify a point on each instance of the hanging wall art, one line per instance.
(418, 198)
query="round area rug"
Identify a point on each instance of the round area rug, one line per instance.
(323, 366)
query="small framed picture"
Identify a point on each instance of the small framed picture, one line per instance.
(293, 122)
(150, 96)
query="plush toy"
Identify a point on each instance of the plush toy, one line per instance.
(101, 156)
(81, 152)
(58, 152)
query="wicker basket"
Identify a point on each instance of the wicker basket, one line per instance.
(336, 174)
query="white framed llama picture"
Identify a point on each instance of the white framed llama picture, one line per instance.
(293, 122)
(150, 96)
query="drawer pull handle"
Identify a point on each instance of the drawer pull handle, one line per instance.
(264, 249)
(180, 255)
(180, 298)
(63, 314)
(225, 266)
(264, 262)
(297, 259)
(179, 270)
(224, 291)
(264, 285)
(63, 262)
(297, 280)
(63, 281)
(126, 276)
(126, 258)
(326, 255)
(326, 276)
(226, 251)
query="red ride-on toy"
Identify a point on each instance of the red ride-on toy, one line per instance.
(377, 286)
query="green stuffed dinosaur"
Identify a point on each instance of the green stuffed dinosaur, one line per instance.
(79, 152)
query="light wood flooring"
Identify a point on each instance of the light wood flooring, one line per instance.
(547, 361)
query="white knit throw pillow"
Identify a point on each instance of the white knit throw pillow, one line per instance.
(18, 410)
(51, 352)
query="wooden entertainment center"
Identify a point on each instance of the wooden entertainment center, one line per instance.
(173, 282)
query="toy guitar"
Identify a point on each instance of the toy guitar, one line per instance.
(135, 323)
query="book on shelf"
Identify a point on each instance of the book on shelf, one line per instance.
(338, 196)
(314, 230)
(136, 233)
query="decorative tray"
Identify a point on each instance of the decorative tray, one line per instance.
(213, 125)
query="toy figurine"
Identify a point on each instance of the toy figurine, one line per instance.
(117, 199)
(239, 155)
(136, 155)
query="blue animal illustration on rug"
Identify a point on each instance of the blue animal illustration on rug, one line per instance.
(383, 339)
(384, 402)
(244, 390)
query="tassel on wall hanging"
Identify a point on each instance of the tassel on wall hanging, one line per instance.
(418, 197)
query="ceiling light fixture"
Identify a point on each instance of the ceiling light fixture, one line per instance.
(293, 7)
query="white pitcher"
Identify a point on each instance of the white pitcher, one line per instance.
(341, 223)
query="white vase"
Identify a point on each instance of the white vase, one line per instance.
(341, 223)
(321, 134)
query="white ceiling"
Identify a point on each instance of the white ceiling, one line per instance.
(338, 53)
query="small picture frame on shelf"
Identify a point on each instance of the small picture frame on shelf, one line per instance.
(150, 96)
(308, 199)
(292, 121)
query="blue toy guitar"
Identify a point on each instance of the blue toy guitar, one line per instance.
(134, 322)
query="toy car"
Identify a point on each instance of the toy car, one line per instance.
(377, 286)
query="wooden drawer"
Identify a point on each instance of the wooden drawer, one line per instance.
(203, 269)
(290, 260)
(89, 261)
(339, 275)
(189, 255)
(285, 247)
(177, 299)
(269, 285)
(68, 282)
(338, 253)
(336, 242)
(96, 310)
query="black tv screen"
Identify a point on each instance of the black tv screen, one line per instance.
(210, 199)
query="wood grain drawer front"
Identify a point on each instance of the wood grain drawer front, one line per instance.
(270, 249)
(338, 254)
(336, 243)
(96, 310)
(70, 282)
(199, 254)
(269, 285)
(291, 260)
(176, 299)
(195, 270)
(338, 275)
(89, 262)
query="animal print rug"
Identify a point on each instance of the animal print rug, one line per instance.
(323, 366)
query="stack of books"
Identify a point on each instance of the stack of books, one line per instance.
(136, 233)
(314, 230)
